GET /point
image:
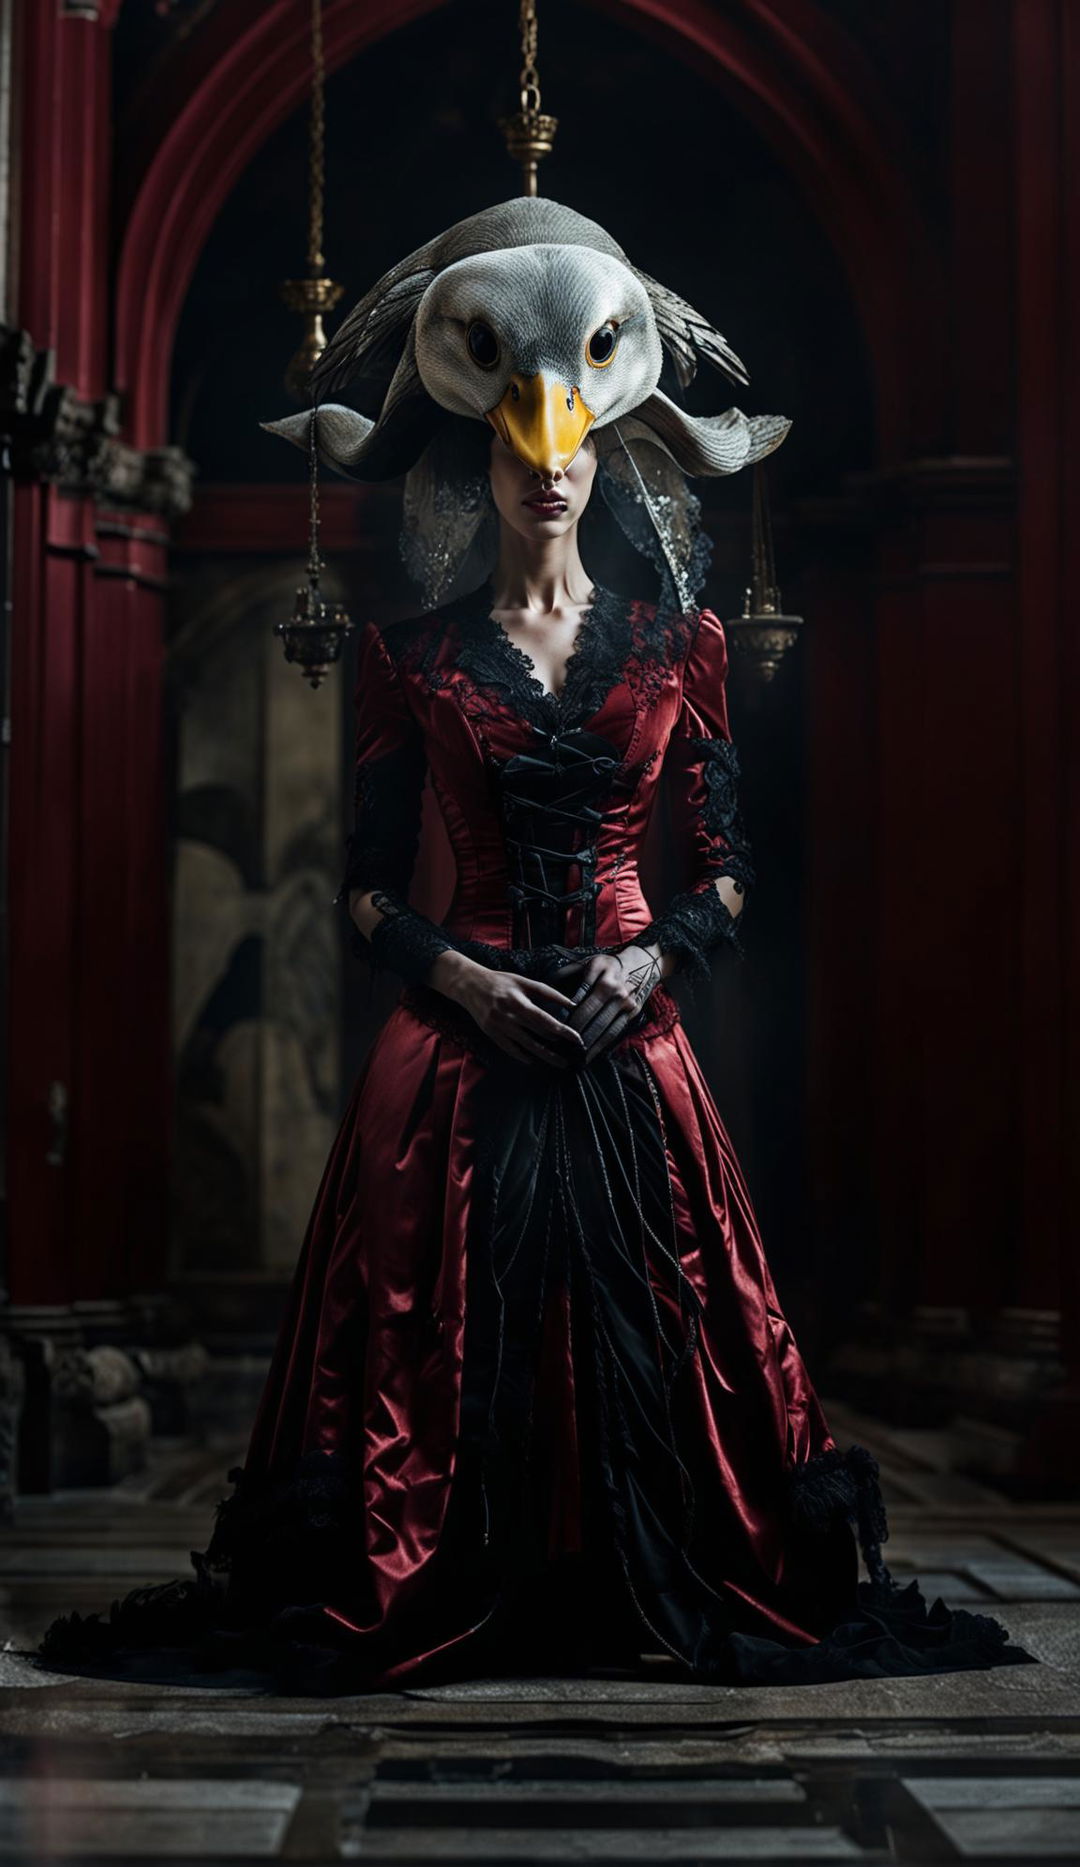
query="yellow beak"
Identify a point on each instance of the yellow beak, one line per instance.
(544, 422)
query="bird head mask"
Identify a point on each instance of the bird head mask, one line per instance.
(529, 319)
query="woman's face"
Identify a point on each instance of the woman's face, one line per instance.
(541, 507)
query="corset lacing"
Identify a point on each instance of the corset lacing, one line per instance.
(552, 804)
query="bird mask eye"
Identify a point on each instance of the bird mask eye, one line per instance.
(602, 345)
(483, 345)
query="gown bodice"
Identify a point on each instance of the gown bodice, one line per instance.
(546, 798)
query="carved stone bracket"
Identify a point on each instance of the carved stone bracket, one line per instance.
(56, 435)
(104, 1422)
(93, 1402)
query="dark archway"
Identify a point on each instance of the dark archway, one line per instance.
(833, 134)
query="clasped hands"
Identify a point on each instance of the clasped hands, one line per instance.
(565, 1025)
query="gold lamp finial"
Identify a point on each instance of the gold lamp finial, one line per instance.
(530, 135)
(314, 296)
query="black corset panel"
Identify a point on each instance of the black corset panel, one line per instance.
(552, 801)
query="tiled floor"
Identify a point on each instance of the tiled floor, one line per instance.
(980, 1767)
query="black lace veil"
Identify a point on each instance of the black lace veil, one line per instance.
(641, 500)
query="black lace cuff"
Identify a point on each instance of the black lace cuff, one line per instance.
(692, 926)
(721, 817)
(405, 941)
(408, 943)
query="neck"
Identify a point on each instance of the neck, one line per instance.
(543, 574)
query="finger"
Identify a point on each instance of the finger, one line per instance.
(602, 981)
(536, 989)
(509, 1047)
(543, 1025)
(603, 1018)
(594, 973)
(570, 982)
(543, 1053)
(570, 968)
(585, 1010)
(610, 1038)
(606, 991)
(585, 971)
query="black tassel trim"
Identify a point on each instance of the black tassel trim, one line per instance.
(171, 1614)
(890, 1633)
(845, 1485)
(273, 1546)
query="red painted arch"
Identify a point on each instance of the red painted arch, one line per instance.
(798, 76)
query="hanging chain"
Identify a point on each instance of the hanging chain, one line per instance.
(530, 77)
(314, 634)
(314, 564)
(529, 134)
(317, 144)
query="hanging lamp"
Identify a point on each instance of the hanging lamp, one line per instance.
(315, 633)
(762, 635)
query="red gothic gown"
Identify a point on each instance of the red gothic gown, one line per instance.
(534, 1402)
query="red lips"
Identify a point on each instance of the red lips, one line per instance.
(549, 505)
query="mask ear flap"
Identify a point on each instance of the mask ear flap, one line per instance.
(341, 434)
(655, 508)
(449, 533)
(363, 449)
(710, 444)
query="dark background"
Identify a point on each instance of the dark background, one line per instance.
(694, 194)
(872, 203)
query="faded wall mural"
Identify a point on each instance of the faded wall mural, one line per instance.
(256, 974)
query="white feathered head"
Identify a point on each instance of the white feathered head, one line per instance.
(530, 318)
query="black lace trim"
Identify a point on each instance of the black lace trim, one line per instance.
(405, 941)
(691, 927)
(721, 816)
(618, 639)
(697, 921)
(845, 1486)
(277, 1545)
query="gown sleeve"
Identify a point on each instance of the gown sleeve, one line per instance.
(390, 766)
(390, 769)
(703, 767)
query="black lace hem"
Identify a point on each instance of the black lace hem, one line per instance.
(282, 1551)
(889, 1633)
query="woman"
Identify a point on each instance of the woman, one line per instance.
(534, 1402)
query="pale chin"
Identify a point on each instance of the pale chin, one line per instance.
(560, 522)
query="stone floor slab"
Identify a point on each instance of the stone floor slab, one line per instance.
(63, 1820)
(701, 1791)
(685, 1847)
